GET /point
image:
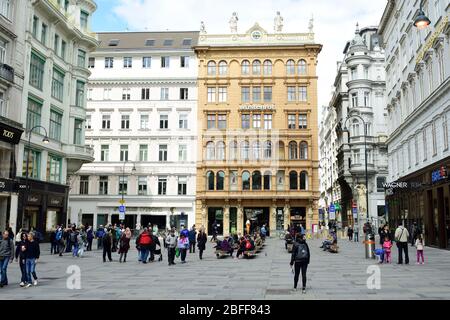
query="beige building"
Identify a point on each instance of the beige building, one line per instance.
(257, 118)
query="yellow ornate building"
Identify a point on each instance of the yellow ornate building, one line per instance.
(258, 130)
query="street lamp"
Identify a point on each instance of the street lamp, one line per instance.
(133, 171)
(365, 158)
(45, 140)
(422, 21)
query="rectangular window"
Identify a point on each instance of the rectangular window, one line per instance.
(184, 94)
(56, 41)
(354, 100)
(84, 184)
(182, 152)
(126, 95)
(164, 94)
(54, 169)
(34, 163)
(445, 131)
(256, 121)
(143, 152)
(162, 153)
(380, 184)
(3, 45)
(211, 94)
(142, 186)
(302, 94)
(256, 91)
(162, 186)
(211, 121)
(91, 63)
(84, 17)
(109, 62)
(245, 118)
(245, 93)
(33, 114)
(184, 62)
(106, 94)
(145, 94)
(78, 132)
(146, 62)
(433, 137)
(58, 85)
(106, 121)
(88, 122)
(302, 121)
(79, 98)
(268, 122)
(267, 94)
(144, 121)
(63, 50)
(183, 121)
(44, 29)
(424, 144)
(3, 109)
(55, 125)
(222, 121)
(125, 122)
(103, 185)
(291, 121)
(165, 62)
(35, 26)
(123, 152)
(123, 185)
(36, 71)
(366, 99)
(291, 94)
(164, 121)
(182, 186)
(104, 153)
(127, 62)
(81, 62)
(223, 92)
(416, 148)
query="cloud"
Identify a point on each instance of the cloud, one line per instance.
(334, 21)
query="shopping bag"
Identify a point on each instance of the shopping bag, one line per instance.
(177, 252)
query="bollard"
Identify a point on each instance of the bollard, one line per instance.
(369, 244)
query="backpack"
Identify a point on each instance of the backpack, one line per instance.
(58, 235)
(248, 245)
(302, 252)
(146, 239)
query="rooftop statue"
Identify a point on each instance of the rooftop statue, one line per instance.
(233, 22)
(278, 22)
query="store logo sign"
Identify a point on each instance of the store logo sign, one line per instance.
(439, 175)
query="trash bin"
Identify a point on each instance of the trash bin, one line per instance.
(369, 244)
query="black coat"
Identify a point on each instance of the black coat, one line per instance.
(201, 241)
(383, 234)
(294, 253)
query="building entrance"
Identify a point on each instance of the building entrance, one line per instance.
(215, 214)
(298, 217)
(257, 217)
(160, 221)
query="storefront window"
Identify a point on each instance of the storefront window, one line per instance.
(51, 220)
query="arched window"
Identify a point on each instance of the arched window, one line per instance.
(267, 180)
(293, 155)
(220, 180)
(267, 67)
(256, 180)
(220, 150)
(290, 67)
(245, 180)
(256, 150)
(256, 70)
(302, 67)
(355, 128)
(303, 150)
(211, 68)
(293, 180)
(281, 151)
(210, 180)
(233, 150)
(268, 150)
(223, 68)
(304, 180)
(245, 67)
(210, 151)
(245, 150)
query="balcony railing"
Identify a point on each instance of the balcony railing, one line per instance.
(7, 72)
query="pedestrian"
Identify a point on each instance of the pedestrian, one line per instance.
(202, 238)
(155, 242)
(99, 235)
(6, 255)
(124, 245)
(387, 245)
(82, 241)
(89, 237)
(384, 233)
(115, 239)
(53, 243)
(59, 238)
(32, 253)
(420, 246)
(74, 242)
(171, 241)
(144, 241)
(415, 234)
(356, 234)
(299, 260)
(401, 238)
(107, 244)
(350, 233)
(183, 246)
(68, 234)
(192, 238)
(10, 232)
(21, 257)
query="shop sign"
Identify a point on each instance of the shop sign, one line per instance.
(439, 175)
(55, 201)
(7, 185)
(10, 134)
(34, 199)
(257, 107)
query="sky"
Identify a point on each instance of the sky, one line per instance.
(334, 22)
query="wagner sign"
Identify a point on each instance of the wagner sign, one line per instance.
(256, 107)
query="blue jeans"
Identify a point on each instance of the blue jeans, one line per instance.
(3, 267)
(31, 269)
(144, 254)
(75, 250)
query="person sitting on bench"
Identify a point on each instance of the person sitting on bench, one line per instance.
(258, 241)
(241, 249)
(226, 247)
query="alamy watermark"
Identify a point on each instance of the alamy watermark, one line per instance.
(74, 280)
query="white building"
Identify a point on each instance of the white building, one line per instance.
(142, 114)
(418, 103)
(48, 46)
(359, 95)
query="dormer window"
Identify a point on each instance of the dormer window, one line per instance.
(168, 42)
(113, 42)
(149, 42)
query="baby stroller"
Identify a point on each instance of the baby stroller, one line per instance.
(158, 251)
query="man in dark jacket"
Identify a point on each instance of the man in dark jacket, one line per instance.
(107, 244)
(299, 260)
(192, 238)
(155, 241)
(6, 254)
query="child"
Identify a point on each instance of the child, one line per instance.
(419, 247)
(379, 253)
(387, 245)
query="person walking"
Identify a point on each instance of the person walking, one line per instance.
(74, 242)
(21, 257)
(420, 246)
(350, 233)
(89, 237)
(299, 260)
(82, 242)
(401, 238)
(99, 235)
(32, 253)
(6, 255)
(107, 244)
(183, 246)
(192, 238)
(124, 245)
(387, 245)
(202, 239)
(144, 241)
(53, 242)
(171, 241)
(114, 238)
(155, 242)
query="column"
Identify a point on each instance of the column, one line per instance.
(240, 219)
(138, 220)
(94, 222)
(287, 215)
(205, 216)
(226, 220)
(273, 218)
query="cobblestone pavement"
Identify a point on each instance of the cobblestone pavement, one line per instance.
(267, 276)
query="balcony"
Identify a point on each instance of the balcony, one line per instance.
(76, 156)
(6, 73)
